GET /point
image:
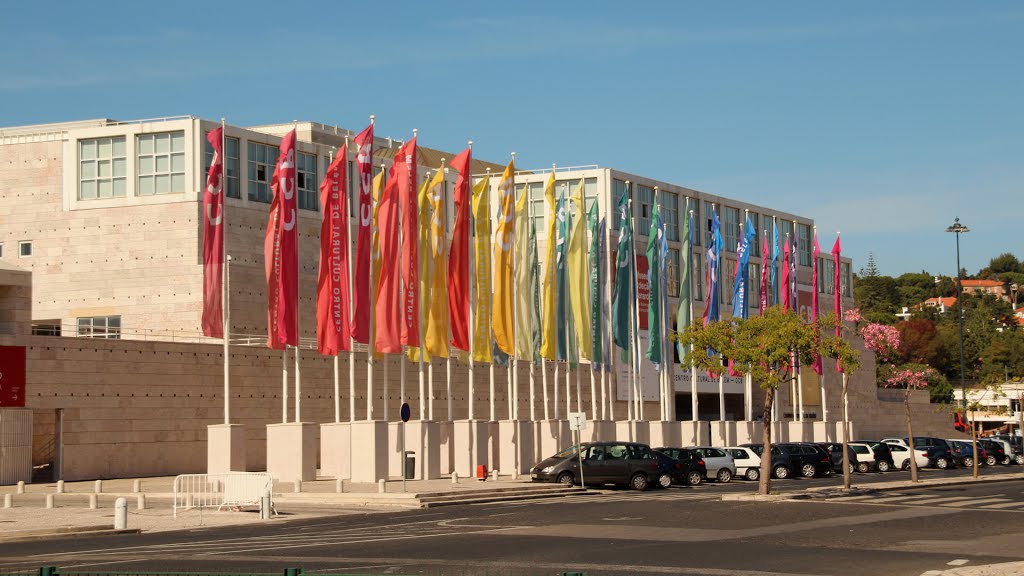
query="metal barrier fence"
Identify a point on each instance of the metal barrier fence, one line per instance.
(220, 490)
(54, 571)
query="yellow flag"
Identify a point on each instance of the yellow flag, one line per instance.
(524, 332)
(423, 207)
(501, 314)
(482, 257)
(579, 276)
(549, 331)
(436, 330)
(378, 185)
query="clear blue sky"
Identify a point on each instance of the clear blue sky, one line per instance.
(881, 119)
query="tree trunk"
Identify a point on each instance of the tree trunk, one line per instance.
(764, 485)
(910, 438)
(974, 443)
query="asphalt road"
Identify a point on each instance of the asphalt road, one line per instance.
(681, 530)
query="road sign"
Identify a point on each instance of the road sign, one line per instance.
(406, 412)
(577, 421)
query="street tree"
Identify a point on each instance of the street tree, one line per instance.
(766, 347)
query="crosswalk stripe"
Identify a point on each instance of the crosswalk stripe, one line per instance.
(975, 502)
(904, 498)
(1003, 505)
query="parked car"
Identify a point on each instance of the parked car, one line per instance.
(996, 453)
(1007, 449)
(1016, 446)
(936, 450)
(835, 450)
(748, 463)
(884, 461)
(782, 463)
(901, 456)
(865, 456)
(621, 463)
(721, 467)
(686, 466)
(964, 452)
(808, 459)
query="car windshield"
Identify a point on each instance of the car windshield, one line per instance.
(570, 451)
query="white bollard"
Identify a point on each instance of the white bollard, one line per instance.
(455, 477)
(137, 486)
(49, 501)
(494, 475)
(120, 514)
(140, 501)
(339, 485)
(190, 501)
(21, 486)
(97, 486)
(265, 505)
(8, 500)
(60, 486)
(297, 486)
(380, 486)
(94, 502)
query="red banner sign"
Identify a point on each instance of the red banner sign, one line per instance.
(12, 376)
(643, 288)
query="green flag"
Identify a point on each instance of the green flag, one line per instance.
(684, 316)
(596, 261)
(654, 281)
(534, 293)
(622, 290)
(561, 293)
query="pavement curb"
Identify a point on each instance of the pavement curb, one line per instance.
(70, 532)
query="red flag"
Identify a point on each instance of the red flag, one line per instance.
(362, 294)
(784, 282)
(280, 252)
(387, 307)
(213, 239)
(764, 275)
(814, 297)
(836, 249)
(333, 332)
(458, 260)
(403, 171)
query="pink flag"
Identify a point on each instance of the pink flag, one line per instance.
(764, 274)
(213, 239)
(836, 250)
(458, 263)
(403, 171)
(280, 252)
(333, 331)
(361, 292)
(814, 297)
(784, 281)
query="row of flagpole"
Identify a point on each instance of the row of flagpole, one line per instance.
(284, 190)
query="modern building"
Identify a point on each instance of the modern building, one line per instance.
(998, 407)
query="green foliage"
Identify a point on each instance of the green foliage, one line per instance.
(1005, 262)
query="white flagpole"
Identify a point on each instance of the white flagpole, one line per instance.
(225, 277)
(284, 384)
(557, 409)
(490, 338)
(298, 336)
(513, 363)
(351, 285)
(373, 300)
(337, 388)
(471, 247)
(689, 264)
(227, 340)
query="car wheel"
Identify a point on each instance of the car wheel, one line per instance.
(694, 478)
(1006, 461)
(906, 464)
(968, 462)
(566, 479)
(753, 474)
(638, 482)
(723, 476)
(883, 466)
(852, 468)
(1019, 459)
(665, 480)
(807, 471)
(941, 463)
(781, 472)
(863, 467)
(991, 461)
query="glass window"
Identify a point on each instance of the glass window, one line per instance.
(306, 182)
(708, 239)
(755, 247)
(698, 275)
(24, 249)
(102, 168)
(729, 269)
(539, 206)
(805, 247)
(262, 159)
(785, 229)
(754, 285)
(672, 273)
(731, 228)
(695, 206)
(766, 225)
(670, 215)
(618, 187)
(1, 250)
(645, 200)
(232, 165)
(161, 163)
(46, 328)
(846, 279)
(100, 327)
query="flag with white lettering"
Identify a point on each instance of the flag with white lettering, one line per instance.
(362, 293)
(458, 264)
(814, 297)
(333, 330)
(504, 236)
(836, 250)
(403, 171)
(482, 348)
(387, 320)
(213, 239)
(281, 252)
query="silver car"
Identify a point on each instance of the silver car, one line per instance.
(720, 464)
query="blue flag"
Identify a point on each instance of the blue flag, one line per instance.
(774, 296)
(740, 292)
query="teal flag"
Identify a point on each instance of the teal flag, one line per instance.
(535, 334)
(622, 290)
(595, 261)
(654, 345)
(684, 316)
(562, 308)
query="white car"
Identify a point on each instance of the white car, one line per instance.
(865, 456)
(901, 454)
(719, 463)
(748, 463)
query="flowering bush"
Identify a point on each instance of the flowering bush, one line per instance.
(909, 378)
(881, 339)
(853, 315)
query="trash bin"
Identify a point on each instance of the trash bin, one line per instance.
(409, 469)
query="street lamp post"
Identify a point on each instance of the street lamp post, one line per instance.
(958, 228)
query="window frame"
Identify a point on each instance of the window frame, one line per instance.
(94, 330)
(22, 244)
(306, 184)
(255, 187)
(232, 164)
(154, 175)
(97, 160)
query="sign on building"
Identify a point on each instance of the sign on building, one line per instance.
(12, 376)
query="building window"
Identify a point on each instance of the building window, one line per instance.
(25, 248)
(262, 159)
(670, 215)
(1, 250)
(785, 231)
(46, 328)
(535, 204)
(102, 168)
(672, 273)
(645, 198)
(161, 162)
(846, 279)
(828, 278)
(568, 188)
(697, 275)
(100, 327)
(754, 284)
(729, 267)
(731, 228)
(305, 181)
(695, 232)
(755, 247)
(618, 187)
(232, 165)
(806, 250)
(708, 210)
